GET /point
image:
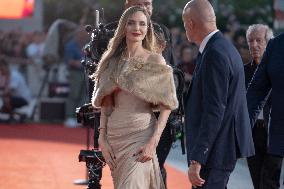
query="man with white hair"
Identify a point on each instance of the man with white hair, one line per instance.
(268, 80)
(258, 36)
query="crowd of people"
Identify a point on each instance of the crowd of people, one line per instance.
(24, 53)
(223, 122)
(21, 56)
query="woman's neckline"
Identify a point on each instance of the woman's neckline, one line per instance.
(134, 58)
(141, 57)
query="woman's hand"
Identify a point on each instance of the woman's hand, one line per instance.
(107, 152)
(146, 152)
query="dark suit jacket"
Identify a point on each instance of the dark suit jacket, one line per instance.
(270, 76)
(218, 130)
(250, 69)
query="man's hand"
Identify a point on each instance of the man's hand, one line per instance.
(194, 175)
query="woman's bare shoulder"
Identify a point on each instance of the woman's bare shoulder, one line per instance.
(156, 58)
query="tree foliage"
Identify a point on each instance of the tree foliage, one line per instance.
(249, 12)
(165, 11)
(73, 10)
(65, 9)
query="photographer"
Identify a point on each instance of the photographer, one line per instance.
(72, 57)
(164, 38)
(14, 91)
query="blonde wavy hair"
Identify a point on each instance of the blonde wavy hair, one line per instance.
(117, 44)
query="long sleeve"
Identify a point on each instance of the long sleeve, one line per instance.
(215, 85)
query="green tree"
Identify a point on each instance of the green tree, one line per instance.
(246, 12)
(65, 9)
(74, 9)
(167, 12)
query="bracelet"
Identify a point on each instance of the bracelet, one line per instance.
(100, 128)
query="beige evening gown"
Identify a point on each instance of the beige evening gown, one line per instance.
(130, 126)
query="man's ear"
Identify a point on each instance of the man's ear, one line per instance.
(191, 24)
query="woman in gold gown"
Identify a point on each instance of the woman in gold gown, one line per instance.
(132, 79)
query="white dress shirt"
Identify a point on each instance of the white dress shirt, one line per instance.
(205, 41)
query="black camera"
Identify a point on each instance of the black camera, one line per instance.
(85, 114)
(100, 37)
(94, 49)
(176, 125)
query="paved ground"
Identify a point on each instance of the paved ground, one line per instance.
(240, 178)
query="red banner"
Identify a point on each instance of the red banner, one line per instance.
(16, 9)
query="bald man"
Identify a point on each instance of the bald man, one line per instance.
(218, 131)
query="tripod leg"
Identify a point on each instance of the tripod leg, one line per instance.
(40, 92)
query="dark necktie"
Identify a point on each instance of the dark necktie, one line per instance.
(197, 65)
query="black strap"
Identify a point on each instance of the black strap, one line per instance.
(180, 111)
(179, 89)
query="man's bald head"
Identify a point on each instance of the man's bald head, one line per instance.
(199, 11)
(199, 20)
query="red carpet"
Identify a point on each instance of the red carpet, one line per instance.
(46, 157)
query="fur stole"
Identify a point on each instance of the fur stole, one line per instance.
(149, 81)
